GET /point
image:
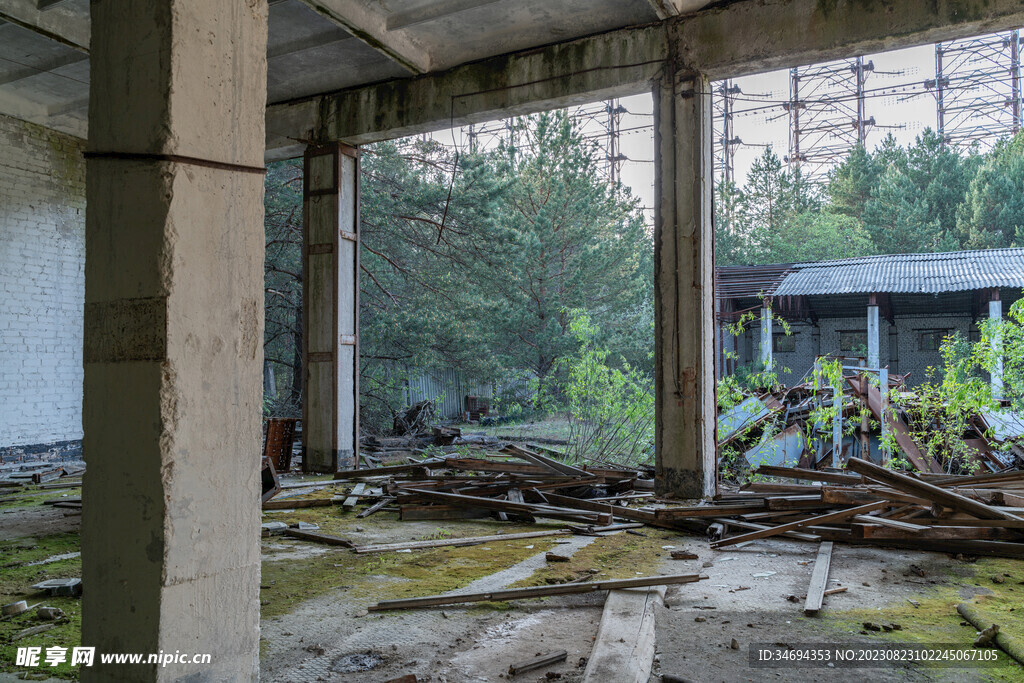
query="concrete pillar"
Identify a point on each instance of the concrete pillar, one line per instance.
(766, 334)
(330, 293)
(684, 287)
(995, 314)
(873, 338)
(173, 336)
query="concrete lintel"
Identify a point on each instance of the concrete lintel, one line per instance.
(61, 23)
(369, 26)
(613, 64)
(744, 38)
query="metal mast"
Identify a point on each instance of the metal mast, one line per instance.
(827, 114)
(977, 89)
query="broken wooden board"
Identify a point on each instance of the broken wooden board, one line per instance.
(318, 537)
(916, 487)
(443, 542)
(624, 648)
(536, 592)
(819, 579)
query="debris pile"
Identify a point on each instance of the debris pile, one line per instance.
(822, 422)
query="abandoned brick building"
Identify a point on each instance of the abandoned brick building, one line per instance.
(892, 310)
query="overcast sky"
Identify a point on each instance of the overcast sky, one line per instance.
(897, 102)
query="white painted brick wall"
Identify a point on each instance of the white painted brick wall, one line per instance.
(42, 284)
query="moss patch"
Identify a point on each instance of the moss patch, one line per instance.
(23, 499)
(16, 579)
(935, 619)
(391, 575)
(619, 556)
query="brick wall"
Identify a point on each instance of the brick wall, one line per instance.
(42, 285)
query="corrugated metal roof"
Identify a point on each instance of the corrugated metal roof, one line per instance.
(748, 281)
(907, 273)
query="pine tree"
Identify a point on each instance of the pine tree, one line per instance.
(992, 214)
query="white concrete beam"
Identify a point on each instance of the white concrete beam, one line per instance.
(766, 334)
(995, 315)
(330, 299)
(874, 342)
(63, 24)
(370, 26)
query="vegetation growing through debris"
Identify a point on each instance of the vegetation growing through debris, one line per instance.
(610, 406)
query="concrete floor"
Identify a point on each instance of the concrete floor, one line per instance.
(753, 594)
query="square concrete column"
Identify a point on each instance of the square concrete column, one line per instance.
(766, 334)
(995, 314)
(684, 287)
(330, 295)
(173, 336)
(873, 339)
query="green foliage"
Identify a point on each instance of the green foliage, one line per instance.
(992, 213)
(925, 197)
(468, 262)
(610, 409)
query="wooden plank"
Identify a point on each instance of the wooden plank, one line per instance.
(408, 513)
(708, 511)
(809, 475)
(893, 523)
(938, 533)
(544, 461)
(919, 488)
(537, 662)
(506, 506)
(537, 591)
(447, 542)
(384, 471)
(353, 498)
(819, 579)
(820, 519)
(289, 503)
(376, 507)
(799, 535)
(319, 538)
(623, 650)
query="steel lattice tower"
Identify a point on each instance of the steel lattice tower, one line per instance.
(977, 89)
(826, 114)
(724, 101)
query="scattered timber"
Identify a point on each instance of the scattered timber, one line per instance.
(536, 592)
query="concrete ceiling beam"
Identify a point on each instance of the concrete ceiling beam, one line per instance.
(431, 12)
(370, 26)
(609, 65)
(63, 24)
(29, 71)
(738, 39)
(324, 39)
(745, 38)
